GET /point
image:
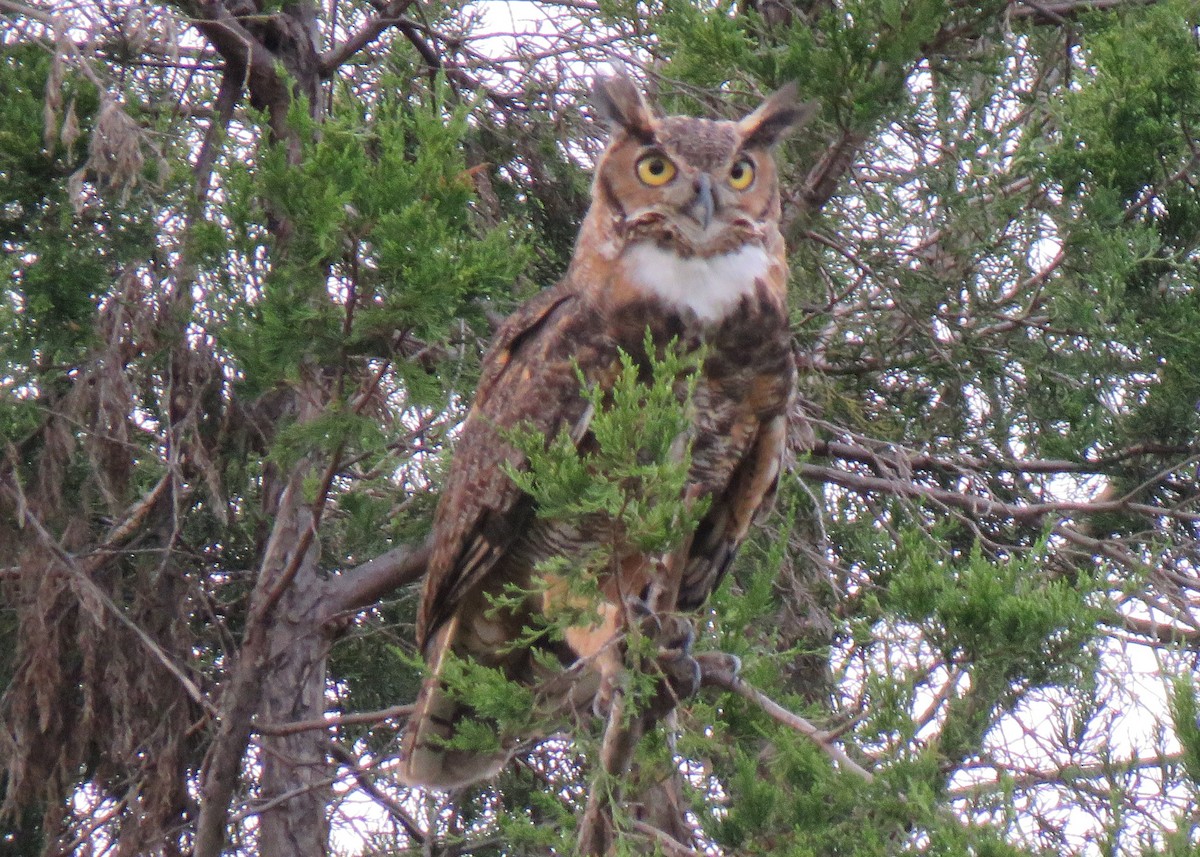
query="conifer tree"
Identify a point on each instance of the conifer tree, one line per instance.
(253, 252)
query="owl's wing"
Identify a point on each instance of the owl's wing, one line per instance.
(749, 494)
(527, 380)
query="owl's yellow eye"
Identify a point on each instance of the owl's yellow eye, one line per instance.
(742, 174)
(655, 170)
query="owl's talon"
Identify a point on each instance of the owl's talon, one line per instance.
(713, 664)
(682, 672)
(640, 616)
(679, 679)
(677, 633)
(650, 626)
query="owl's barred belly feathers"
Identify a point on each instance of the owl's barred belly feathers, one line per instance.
(745, 383)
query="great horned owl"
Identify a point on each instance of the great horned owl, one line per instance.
(683, 237)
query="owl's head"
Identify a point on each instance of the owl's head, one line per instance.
(698, 186)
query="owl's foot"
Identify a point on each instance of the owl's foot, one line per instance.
(717, 665)
(669, 638)
(679, 672)
(683, 674)
(667, 630)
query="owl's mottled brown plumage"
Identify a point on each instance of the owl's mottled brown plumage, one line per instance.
(678, 241)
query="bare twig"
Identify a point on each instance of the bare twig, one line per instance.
(351, 719)
(131, 524)
(669, 845)
(729, 680)
(394, 808)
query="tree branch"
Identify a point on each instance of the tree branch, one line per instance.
(228, 93)
(365, 584)
(241, 697)
(977, 505)
(1066, 775)
(394, 808)
(1163, 632)
(822, 180)
(1065, 10)
(621, 734)
(248, 60)
(625, 727)
(715, 675)
(351, 719)
(388, 16)
(669, 845)
(923, 461)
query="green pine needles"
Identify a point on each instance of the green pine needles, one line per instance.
(636, 464)
(380, 214)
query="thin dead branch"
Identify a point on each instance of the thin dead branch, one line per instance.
(353, 719)
(625, 727)
(729, 680)
(394, 808)
(669, 845)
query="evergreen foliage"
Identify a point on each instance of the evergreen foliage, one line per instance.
(243, 308)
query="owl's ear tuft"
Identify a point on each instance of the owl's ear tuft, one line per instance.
(775, 117)
(619, 103)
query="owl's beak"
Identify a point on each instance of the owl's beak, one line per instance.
(703, 205)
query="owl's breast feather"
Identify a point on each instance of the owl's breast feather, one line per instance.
(711, 286)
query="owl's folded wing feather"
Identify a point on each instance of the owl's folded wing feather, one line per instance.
(527, 380)
(750, 493)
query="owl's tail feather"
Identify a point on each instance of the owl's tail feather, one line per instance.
(425, 760)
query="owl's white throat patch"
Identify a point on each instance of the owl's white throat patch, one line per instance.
(711, 287)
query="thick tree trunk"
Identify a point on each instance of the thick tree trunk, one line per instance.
(274, 626)
(295, 784)
(280, 672)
